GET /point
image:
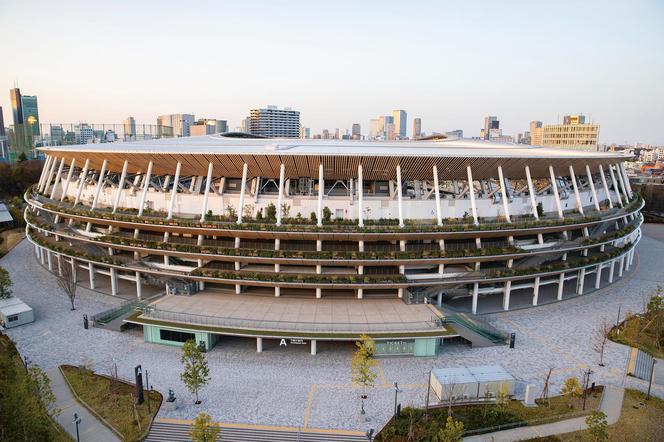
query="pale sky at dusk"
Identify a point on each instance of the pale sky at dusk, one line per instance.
(340, 62)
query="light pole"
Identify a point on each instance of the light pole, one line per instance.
(396, 395)
(77, 420)
(586, 378)
(652, 372)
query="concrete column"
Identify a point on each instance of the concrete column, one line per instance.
(471, 191)
(139, 286)
(49, 177)
(238, 289)
(598, 276)
(531, 192)
(579, 204)
(41, 255)
(259, 345)
(554, 186)
(441, 267)
(174, 191)
(436, 188)
(621, 266)
(313, 346)
(623, 172)
(243, 188)
(277, 291)
(360, 197)
(561, 286)
(615, 185)
(476, 287)
(65, 188)
(592, 187)
(506, 295)
(118, 193)
(100, 184)
(45, 168)
(50, 260)
(400, 293)
(91, 275)
(114, 281)
(81, 182)
(621, 181)
(503, 192)
(611, 270)
(606, 188)
(57, 178)
(399, 196)
(319, 293)
(536, 286)
(146, 186)
(321, 191)
(580, 282)
(206, 192)
(280, 198)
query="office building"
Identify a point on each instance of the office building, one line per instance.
(417, 128)
(356, 131)
(535, 133)
(400, 121)
(490, 123)
(574, 133)
(305, 132)
(274, 122)
(180, 123)
(375, 128)
(208, 126)
(129, 126)
(85, 133)
(17, 109)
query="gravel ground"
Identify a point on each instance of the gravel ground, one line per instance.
(288, 386)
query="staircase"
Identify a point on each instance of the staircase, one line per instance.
(179, 432)
(478, 333)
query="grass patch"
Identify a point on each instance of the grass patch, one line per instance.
(640, 420)
(113, 401)
(631, 333)
(484, 416)
(22, 416)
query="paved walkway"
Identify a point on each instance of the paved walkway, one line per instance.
(611, 406)
(90, 429)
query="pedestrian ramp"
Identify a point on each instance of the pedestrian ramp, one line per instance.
(179, 432)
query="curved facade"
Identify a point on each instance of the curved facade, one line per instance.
(463, 222)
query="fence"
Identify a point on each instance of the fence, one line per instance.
(640, 365)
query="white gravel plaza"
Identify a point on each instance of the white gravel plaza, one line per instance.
(290, 387)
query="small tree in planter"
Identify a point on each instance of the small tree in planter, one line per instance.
(572, 389)
(363, 363)
(203, 429)
(327, 214)
(5, 284)
(196, 372)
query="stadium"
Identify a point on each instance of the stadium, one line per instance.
(321, 240)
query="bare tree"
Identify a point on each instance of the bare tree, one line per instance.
(600, 337)
(67, 282)
(450, 390)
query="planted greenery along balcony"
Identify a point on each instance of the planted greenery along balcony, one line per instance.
(300, 224)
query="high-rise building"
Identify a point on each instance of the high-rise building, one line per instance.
(208, 126)
(417, 128)
(57, 135)
(458, 133)
(2, 124)
(30, 112)
(17, 110)
(129, 125)
(26, 131)
(179, 122)
(356, 131)
(490, 122)
(573, 133)
(274, 122)
(305, 132)
(385, 122)
(375, 128)
(84, 133)
(399, 119)
(246, 125)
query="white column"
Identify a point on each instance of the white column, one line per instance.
(606, 188)
(503, 192)
(259, 345)
(622, 184)
(100, 183)
(114, 282)
(554, 186)
(561, 286)
(72, 166)
(579, 205)
(174, 192)
(49, 258)
(321, 191)
(506, 295)
(49, 177)
(57, 177)
(360, 197)
(45, 168)
(531, 192)
(580, 282)
(118, 193)
(146, 185)
(628, 187)
(280, 198)
(598, 276)
(243, 188)
(139, 287)
(81, 182)
(399, 196)
(615, 185)
(471, 191)
(621, 266)
(611, 270)
(313, 346)
(436, 188)
(476, 287)
(536, 286)
(206, 193)
(592, 187)
(91, 275)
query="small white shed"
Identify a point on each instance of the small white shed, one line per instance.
(14, 312)
(470, 383)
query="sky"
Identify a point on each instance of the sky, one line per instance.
(340, 62)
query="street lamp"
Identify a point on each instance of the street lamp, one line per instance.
(77, 421)
(396, 395)
(652, 372)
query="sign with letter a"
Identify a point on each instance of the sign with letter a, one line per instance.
(282, 343)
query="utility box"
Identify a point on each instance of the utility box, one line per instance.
(14, 312)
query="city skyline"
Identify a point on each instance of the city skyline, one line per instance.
(513, 77)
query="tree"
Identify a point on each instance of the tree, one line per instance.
(540, 210)
(572, 389)
(196, 372)
(203, 429)
(363, 363)
(285, 210)
(271, 212)
(39, 382)
(451, 432)
(67, 282)
(327, 214)
(22, 157)
(600, 336)
(450, 389)
(5, 284)
(597, 426)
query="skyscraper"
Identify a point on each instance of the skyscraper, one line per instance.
(17, 109)
(179, 122)
(375, 128)
(356, 132)
(129, 125)
(274, 122)
(490, 122)
(400, 122)
(2, 123)
(417, 128)
(535, 133)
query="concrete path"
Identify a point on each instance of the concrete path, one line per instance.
(90, 429)
(611, 406)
